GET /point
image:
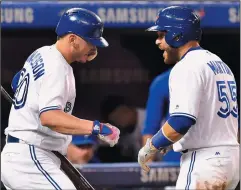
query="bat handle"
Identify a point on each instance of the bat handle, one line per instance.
(6, 95)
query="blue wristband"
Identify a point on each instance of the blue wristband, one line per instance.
(160, 141)
(100, 128)
(96, 127)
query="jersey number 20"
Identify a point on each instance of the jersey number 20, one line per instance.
(231, 105)
(21, 93)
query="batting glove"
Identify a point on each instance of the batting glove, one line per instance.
(146, 153)
(106, 132)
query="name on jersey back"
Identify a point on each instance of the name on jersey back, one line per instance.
(37, 64)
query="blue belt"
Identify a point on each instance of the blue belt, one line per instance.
(11, 139)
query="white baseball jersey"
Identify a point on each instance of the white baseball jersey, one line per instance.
(46, 83)
(203, 87)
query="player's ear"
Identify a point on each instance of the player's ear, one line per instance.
(73, 40)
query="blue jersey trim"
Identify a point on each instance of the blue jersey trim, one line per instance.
(192, 49)
(189, 174)
(184, 114)
(49, 108)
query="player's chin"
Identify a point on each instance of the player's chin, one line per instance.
(167, 61)
(82, 60)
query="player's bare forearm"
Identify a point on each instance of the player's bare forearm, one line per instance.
(61, 122)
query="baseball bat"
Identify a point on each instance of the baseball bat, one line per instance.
(74, 175)
(6, 95)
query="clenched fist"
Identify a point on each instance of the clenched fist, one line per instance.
(111, 139)
(106, 132)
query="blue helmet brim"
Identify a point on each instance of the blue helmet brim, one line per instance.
(98, 42)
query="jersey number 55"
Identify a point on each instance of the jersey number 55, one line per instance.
(230, 107)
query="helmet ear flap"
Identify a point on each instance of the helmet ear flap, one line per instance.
(174, 39)
(177, 37)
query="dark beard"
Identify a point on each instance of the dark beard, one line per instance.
(172, 56)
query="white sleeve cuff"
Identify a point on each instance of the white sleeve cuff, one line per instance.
(49, 108)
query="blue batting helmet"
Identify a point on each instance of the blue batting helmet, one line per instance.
(181, 24)
(84, 139)
(83, 23)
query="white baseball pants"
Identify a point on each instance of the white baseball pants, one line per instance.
(215, 168)
(24, 166)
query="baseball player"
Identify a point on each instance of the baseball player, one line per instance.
(40, 119)
(203, 122)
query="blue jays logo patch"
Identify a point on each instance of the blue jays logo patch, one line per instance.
(67, 107)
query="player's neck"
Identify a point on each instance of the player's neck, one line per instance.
(186, 47)
(63, 49)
